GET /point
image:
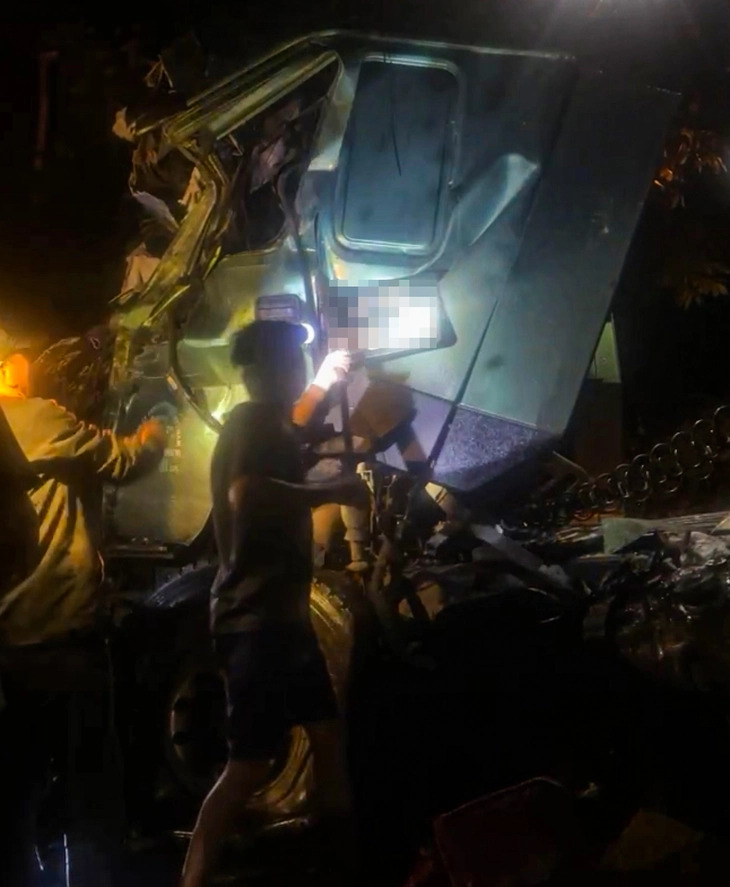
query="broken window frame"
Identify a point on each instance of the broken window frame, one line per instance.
(194, 246)
(316, 107)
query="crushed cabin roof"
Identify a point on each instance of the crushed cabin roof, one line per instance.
(505, 182)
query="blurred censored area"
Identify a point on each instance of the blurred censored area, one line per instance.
(374, 316)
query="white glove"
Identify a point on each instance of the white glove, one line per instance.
(334, 368)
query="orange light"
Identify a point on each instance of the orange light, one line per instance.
(16, 373)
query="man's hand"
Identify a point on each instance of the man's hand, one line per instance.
(157, 426)
(153, 432)
(164, 413)
(334, 369)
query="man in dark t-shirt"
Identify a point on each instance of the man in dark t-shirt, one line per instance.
(276, 676)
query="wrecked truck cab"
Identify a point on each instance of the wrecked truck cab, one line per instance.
(457, 215)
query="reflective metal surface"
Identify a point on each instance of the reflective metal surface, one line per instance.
(538, 347)
(504, 181)
(400, 138)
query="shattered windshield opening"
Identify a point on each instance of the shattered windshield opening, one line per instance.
(265, 159)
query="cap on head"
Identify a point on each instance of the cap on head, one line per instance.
(266, 342)
(10, 345)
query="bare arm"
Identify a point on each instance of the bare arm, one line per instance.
(334, 368)
(307, 405)
(253, 498)
(264, 494)
(121, 459)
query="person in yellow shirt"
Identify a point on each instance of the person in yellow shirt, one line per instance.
(53, 659)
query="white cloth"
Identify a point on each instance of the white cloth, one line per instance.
(334, 368)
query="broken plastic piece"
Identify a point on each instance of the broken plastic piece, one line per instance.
(193, 190)
(122, 128)
(140, 268)
(157, 208)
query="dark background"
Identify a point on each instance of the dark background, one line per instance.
(64, 228)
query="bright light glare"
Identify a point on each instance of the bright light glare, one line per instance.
(310, 333)
(412, 323)
(384, 315)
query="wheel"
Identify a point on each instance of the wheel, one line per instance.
(194, 742)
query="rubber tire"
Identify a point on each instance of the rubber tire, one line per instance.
(289, 791)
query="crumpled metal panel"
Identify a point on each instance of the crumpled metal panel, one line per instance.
(537, 350)
(503, 123)
(470, 290)
(400, 136)
(542, 316)
(540, 184)
(172, 505)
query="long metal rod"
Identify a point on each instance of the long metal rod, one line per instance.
(346, 428)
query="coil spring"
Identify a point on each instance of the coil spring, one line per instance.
(688, 455)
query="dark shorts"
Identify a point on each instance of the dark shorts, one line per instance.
(276, 678)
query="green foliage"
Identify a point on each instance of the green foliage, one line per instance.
(695, 265)
(692, 278)
(688, 154)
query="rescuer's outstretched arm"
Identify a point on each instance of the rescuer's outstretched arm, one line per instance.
(253, 497)
(70, 448)
(334, 368)
(262, 494)
(307, 405)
